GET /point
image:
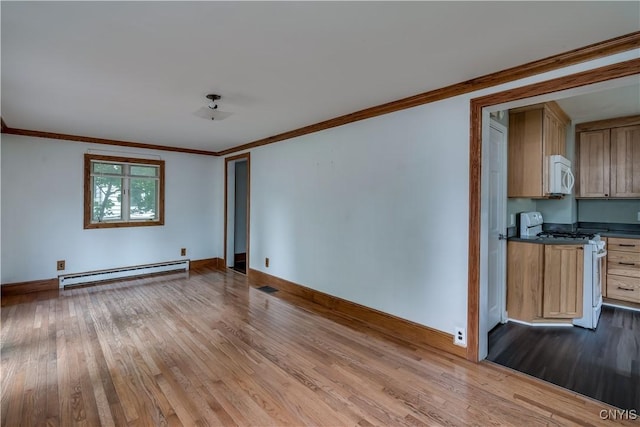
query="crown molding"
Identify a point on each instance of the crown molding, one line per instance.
(593, 51)
(89, 139)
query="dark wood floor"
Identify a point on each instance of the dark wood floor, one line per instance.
(603, 364)
(208, 348)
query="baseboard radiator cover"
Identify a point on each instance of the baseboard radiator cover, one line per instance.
(67, 280)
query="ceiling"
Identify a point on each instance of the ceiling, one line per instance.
(138, 71)
(604, 104)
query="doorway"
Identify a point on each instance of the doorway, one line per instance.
(584, 82)
(237, 185)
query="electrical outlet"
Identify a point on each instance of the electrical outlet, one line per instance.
(460, 337)
(183, 252)
(512, 220)
(638, 216)
(266, 262)
(60, 265)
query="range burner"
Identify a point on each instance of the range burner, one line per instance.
(567, 235)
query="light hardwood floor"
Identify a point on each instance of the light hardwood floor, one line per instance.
(206, 348)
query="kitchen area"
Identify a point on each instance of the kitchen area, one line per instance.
(573, 245)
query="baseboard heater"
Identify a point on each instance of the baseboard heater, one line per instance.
(67, 280)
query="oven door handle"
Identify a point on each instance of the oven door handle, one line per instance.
(601, 254)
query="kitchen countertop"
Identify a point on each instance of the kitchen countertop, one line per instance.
(544, 240)
(628, 231)
(613, 233)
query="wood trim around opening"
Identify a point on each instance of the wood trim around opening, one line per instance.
(593, 51)
(597, 75)
(383, 322)
(227, 160)
(88, 224)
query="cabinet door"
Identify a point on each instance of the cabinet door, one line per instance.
(525, 154)
(593, 164)
(554, 135)
(524, 280)
(625, 162)
(563, 276)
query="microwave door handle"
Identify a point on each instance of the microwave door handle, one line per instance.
(565, 181)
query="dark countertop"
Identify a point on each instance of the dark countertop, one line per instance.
(613, 233)
(630, 231)
(604, 229)
(625, 234)
(544, 241)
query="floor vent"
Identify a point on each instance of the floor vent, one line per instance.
(267, 289)
(67, 280)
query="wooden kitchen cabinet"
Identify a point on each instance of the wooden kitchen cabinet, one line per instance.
(525, 262)
(563, 281)
(593, 164)
(608, 158)
(544, 282)
(535, 132)
(623, 269)
(625, 162)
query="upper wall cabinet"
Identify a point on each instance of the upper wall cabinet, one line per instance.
(608, 155)
(593, 163)
(535, 132)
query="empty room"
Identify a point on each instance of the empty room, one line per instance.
(320, 213)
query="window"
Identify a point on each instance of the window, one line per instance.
(123, 192)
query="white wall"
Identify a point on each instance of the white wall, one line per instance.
(376, 211)
(42, 211)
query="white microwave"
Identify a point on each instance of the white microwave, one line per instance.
(561, 180)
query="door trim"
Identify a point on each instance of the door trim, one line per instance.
(228, 160)
(572, 81)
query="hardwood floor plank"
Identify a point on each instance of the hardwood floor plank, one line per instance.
(205, 348)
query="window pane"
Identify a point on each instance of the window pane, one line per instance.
(107, 168)
(143, 198)
(107, 198)
(144, 171)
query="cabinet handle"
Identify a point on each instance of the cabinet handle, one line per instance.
(626, 245)
(625, 289)
(626, 263)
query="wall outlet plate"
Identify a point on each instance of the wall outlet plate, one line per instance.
(266, 262)
(183, 252)
(460, 337)
(60, 265)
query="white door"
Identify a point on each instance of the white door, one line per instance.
(497, 212)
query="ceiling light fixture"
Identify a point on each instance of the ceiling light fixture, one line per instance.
(213, 97)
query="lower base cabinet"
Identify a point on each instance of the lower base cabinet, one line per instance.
(544, 282)
(623, 269)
